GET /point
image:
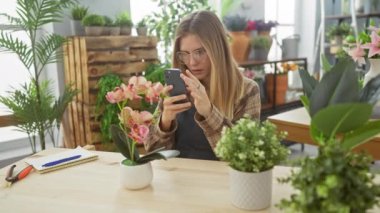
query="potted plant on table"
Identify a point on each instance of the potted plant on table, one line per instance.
(252, 150)
(125, 23)
(133, 129)
(142, 28)
(260, 46)
(336, 35)
(337, 180)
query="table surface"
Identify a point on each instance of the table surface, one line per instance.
(297, 123)
(178, 185)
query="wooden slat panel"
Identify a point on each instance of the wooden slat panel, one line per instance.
(79, 82)
(85, 89)
(119, 42)
(110, 56)
(146, 54)
(7, 120)
(125, 68)
(74, 114)
(69, 140)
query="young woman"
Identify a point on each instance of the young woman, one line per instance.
(219, 94)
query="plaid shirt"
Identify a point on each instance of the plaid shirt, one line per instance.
(213, 124)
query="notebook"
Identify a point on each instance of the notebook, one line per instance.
(61, 160)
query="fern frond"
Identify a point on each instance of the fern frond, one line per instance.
(15, 24)
(48, 49)
(8, 43)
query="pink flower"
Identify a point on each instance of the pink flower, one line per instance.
(139, 133)
(153, 92)
(130, 117)
(374, 46)
(251, 25)
(130, 92)
(116, 96)
(139, 83)
(357, 54)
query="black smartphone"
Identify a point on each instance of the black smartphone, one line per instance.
(172, 77)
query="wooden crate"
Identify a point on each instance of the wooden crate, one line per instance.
(86, 59)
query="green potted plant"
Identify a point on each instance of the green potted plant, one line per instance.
(133, 129)
(142, 28)
(260, 46)
(37, 111)
(93, 24)
(77, 14)
(336, 34)
(111, 27)
(251, 149)
(337, 180)
(240, 40)
(125, 23)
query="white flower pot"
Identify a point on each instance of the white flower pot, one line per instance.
(136, 177)
(251, 191)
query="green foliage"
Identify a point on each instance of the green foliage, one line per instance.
(235, 23)
(108, 21)
(106, 112)
(335, 181)
(164, 23)
(155, 72)
(34, 114)
(229, 5)
(78, 12)
(34, 105)
(142, 23)
(261, 42)
(343, 29)
(250, 146)
(93, 20)
(124, 19)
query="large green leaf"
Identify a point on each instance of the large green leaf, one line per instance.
(361, 135)
(123, 143)
(306, 103)
(325, 64)
(340, 85)
(156, 155)
(371, 91)
(308, 82)
(341, 118)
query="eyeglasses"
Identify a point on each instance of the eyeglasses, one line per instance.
(184, 57)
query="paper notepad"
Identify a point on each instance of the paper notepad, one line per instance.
(84, 154)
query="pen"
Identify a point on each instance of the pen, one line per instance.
(56, 162)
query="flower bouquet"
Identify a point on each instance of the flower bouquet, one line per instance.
(133, 127)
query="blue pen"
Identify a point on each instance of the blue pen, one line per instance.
(53, 163)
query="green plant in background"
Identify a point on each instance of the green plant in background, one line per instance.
(34, 106)
(78, 12)
(261, 42)
(108, 21)
(249, 146)
(342, 29)
(141, 23)
(106, 113)
(155, 72)
(124, 19)
(340, 113)
(164, 23)
(93, 20)
(235, 23)
(228, 6)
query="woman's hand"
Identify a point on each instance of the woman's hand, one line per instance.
(171, 109)
(198, 92)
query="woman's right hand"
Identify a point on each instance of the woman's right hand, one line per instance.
(171, 109)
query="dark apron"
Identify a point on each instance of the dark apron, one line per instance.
(190, 139)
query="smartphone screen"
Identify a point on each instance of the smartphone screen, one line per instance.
(172, 77)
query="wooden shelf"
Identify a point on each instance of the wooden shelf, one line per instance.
(256, 63)
(339, 17)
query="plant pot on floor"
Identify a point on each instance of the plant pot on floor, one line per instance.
(251, 191)
(135, 177)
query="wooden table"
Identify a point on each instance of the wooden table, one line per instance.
(296, 122)
(179, 185)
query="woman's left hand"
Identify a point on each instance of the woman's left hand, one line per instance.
(198, 93)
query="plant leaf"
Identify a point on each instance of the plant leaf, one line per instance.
(308, 82)
(341, 118)
(122, 142)
(306, 103)
(164, 154)
(361, 135)
(371, 91)
(326, 66)
(340, 85)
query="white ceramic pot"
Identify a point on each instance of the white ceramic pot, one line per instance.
(251, 191)
(136, 177)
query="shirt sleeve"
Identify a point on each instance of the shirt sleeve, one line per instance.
(249, 104)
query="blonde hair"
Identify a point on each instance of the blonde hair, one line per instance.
(225, 79)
